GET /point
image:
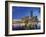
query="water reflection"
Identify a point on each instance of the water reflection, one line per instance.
(30, 27)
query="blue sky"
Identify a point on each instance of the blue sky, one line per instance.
(19, 12)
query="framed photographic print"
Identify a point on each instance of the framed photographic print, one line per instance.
(24, 18)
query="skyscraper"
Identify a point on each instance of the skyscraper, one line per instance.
(31, 13)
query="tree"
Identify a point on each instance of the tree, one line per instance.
(26, 22)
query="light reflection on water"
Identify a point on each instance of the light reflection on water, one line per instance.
(30, 27)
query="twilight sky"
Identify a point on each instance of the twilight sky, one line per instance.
(19, 12)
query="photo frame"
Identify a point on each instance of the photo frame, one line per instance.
(24, 18)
